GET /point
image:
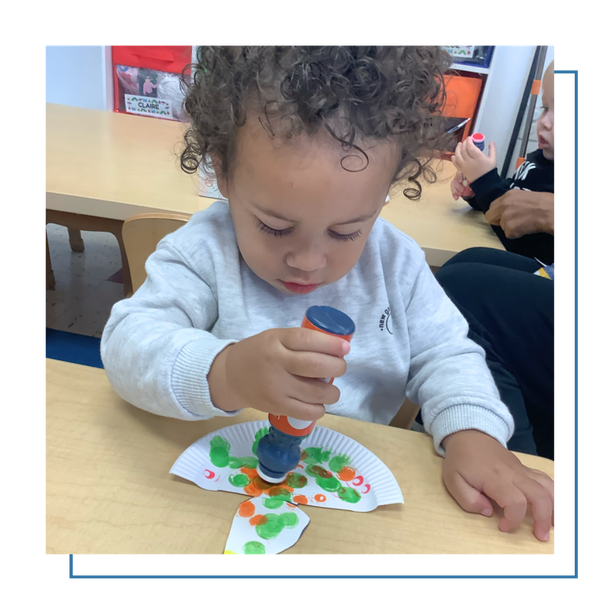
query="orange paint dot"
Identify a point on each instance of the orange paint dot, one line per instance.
(246, 509)
(279, 490)
(261, 484)
(320, 498)
(347, 474)
(258, 520)
(250, 472)
(301, 499)
(253, 491)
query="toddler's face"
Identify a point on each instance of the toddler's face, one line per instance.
(301, 220)
(545, 124)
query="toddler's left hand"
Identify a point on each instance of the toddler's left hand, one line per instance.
(471, 161)
(477, 468)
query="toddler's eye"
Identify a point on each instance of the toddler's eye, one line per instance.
(276, 232)
(349, 237)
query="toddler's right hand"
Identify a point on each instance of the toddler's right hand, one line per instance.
(459, 188)
(280, 371)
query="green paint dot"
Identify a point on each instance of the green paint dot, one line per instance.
(317, 471)
(280, 494)
(337, 463)
(348, 495)
(254, 548)
(271, 528)
(296, 480)
(312, 456)
(329, 484)
(248, 461)
(259, 434)
(219, 451)
(290, 519)
(240, 480)
(273, 502)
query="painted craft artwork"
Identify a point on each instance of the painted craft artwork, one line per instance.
(265, 526)
(335, 471)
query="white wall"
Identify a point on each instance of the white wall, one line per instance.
(77, 76)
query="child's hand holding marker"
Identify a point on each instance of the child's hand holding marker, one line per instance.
(471, 162)
(280, 371)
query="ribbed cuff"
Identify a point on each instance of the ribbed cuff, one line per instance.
(468, 416)
(189, 380)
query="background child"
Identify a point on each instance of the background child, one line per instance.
(521, 208)
(306, 143)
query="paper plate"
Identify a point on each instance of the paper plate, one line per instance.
(334, 472)
(265, 526)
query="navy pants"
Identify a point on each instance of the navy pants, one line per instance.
(510, 313)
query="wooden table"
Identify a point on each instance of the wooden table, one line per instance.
(109, 489)
(103, 167)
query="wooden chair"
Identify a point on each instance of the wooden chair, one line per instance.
(406, 416)
(141, 234)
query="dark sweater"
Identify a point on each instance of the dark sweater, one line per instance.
(536, 174)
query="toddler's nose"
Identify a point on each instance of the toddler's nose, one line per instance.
(306, 261)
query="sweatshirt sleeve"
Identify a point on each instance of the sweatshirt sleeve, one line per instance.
(488, 188)
(156, 347)
(448, 375)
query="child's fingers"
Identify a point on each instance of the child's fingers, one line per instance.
(314, 365)
(469, 498)
(314, 391)
(300, 339)
(515, 498)
(511, 499)
(471, 150)
(301, 410)
(541, 506)
(492, 151)
(548, 484)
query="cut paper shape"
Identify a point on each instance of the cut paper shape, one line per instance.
(335, 471)
(265, 526)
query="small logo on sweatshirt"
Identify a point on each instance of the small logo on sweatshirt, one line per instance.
(385, 321)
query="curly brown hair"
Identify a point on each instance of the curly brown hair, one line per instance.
(356, 93)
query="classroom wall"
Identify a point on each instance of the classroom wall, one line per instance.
(77, 76)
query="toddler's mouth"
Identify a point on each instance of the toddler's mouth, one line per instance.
(300, 288)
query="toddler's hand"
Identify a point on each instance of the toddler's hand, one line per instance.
(280, 371)
(477, 468)
(471, 161)
(460, 188)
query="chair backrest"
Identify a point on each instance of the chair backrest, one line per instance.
(406, 416)
(141, 234)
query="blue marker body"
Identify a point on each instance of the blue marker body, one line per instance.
(278, 454)
(279, 450)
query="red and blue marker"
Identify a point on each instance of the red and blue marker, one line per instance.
(279, 451)
(479, 141)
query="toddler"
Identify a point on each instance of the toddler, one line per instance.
(520, 208)
(306, 143)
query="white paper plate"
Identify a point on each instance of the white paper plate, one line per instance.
(363, 485)
(265, 526)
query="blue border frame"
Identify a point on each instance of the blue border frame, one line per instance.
(574, 73)
(574, 576)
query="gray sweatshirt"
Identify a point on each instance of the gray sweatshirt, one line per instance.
(200, 295)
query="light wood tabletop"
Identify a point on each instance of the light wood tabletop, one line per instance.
(109, 490)
(114, 166)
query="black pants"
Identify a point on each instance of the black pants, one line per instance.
(510, 313)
